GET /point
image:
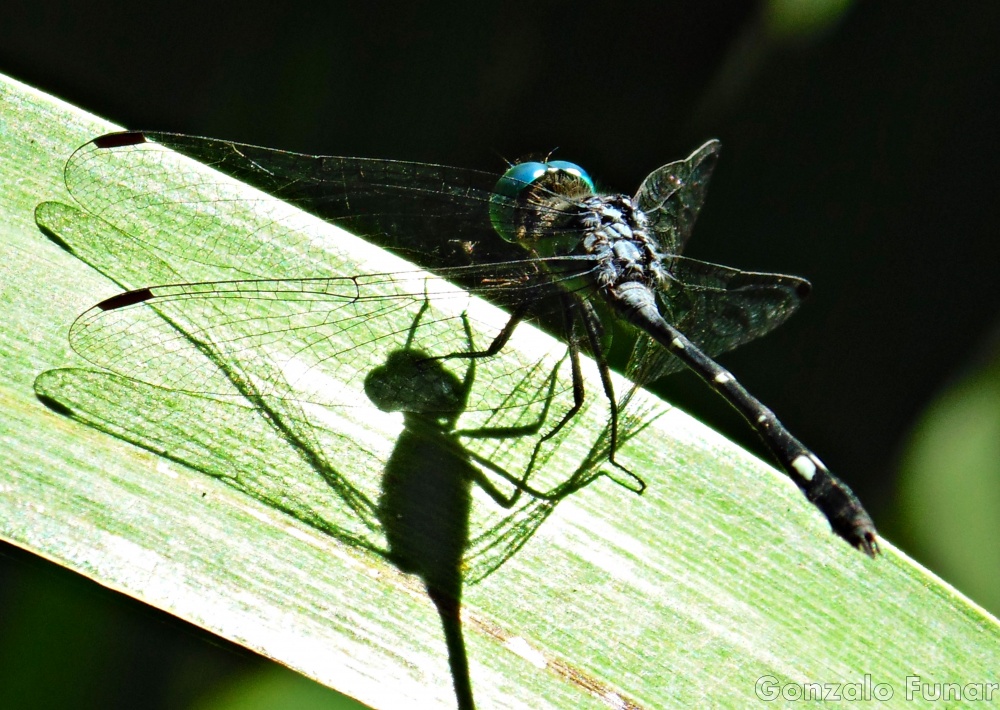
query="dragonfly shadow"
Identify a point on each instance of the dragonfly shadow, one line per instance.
(427, 484)
(436, 506)
(426, 492)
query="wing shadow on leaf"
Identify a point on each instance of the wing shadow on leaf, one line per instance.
(420, 521)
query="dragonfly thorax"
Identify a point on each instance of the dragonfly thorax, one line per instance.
(617, 236)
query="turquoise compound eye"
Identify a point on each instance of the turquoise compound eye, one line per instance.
(515, 180)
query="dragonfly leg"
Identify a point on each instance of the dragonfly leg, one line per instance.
(573, 342)
(501, 339)
(592, 324)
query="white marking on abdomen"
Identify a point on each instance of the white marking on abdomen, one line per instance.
(804, 466)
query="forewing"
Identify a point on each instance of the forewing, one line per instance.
(672, 196)
(172, 192)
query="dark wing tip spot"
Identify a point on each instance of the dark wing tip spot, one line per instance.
(803, 288)
(129, 298)
(120, 139)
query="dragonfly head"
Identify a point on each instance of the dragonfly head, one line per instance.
(528, 197)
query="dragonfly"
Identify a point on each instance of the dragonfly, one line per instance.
(539, 241)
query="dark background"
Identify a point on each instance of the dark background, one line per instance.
(859, 151)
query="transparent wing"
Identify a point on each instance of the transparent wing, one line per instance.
(178, 189)
(719, 309)
(672, 196)
(303, 340)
